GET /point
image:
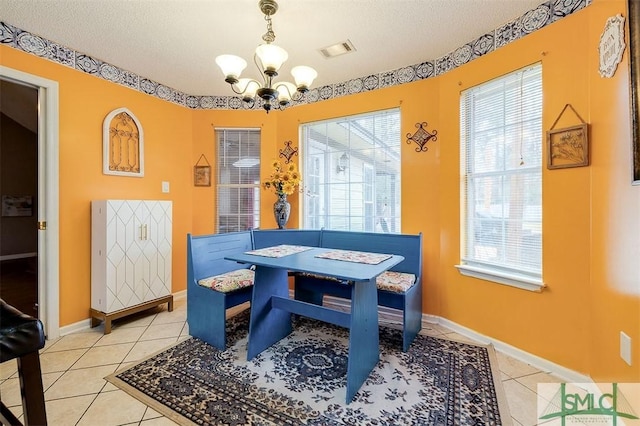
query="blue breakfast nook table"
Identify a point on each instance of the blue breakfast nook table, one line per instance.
(271, 306)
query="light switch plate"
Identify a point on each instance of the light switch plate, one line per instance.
(165, 187)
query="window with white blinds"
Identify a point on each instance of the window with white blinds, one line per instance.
(501, 187)
(351, 173)
(238, 183)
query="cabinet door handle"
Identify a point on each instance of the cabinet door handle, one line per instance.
(141, 232)
(145, 231)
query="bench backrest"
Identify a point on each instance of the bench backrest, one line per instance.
(296, 237)
(206, 253)
(407, 245)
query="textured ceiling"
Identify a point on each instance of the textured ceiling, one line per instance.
(175, 42)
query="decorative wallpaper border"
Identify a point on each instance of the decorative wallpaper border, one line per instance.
(535, 19)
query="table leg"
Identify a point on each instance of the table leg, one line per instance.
(267, 325)
(364, 349)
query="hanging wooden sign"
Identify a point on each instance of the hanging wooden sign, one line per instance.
(568, 147)
(202, 173)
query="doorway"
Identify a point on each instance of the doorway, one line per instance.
(19, 196)
(36, 204)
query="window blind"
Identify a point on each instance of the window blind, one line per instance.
(238, 183)
(501, 167)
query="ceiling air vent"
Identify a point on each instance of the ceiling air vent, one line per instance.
(337, 49)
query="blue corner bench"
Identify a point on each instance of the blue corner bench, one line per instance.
(215, 284)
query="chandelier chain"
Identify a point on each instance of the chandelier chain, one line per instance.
(269, 36)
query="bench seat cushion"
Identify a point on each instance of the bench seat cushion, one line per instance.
(395, 282)
(229, 281)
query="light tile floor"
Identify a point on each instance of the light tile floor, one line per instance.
(74, 367)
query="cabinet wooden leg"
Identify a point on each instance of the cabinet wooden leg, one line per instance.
(99, 316)
(95, 322)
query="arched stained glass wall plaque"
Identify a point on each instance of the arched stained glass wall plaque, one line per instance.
(123, 144)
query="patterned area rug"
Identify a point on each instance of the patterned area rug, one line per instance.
(301, 380)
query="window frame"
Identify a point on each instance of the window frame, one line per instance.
(501, 272)
(323, 173)
(255, 187)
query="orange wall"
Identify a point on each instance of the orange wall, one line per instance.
(552, 324)
(84, 102)
(614, 296)
(590, 214)
(591, 229)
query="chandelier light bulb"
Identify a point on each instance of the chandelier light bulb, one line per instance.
(303, 76)
(285, 92)
(271, 57)
(231, 66)
(248, 87)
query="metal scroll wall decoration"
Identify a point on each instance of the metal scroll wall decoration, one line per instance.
(288, 152)
(123, 144)
(422, 136)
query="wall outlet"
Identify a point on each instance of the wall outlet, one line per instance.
(165, 187)
(625, 347)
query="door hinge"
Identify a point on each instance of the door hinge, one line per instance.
(42, 225)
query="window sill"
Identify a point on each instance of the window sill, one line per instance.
(513, 280)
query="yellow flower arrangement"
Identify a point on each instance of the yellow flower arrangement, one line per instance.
(284, 179)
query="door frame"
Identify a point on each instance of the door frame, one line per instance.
(48, 196)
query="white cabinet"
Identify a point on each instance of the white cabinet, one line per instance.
(130, 257)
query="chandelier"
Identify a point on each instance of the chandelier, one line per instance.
(268, 58)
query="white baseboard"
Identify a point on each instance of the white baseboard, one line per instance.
(541, 364)
(82, 325)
